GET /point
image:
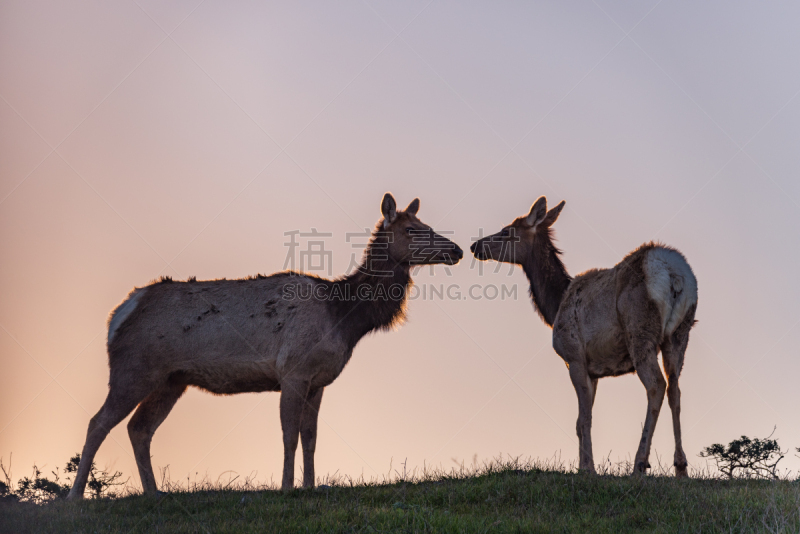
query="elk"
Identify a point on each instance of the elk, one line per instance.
(288, 332)
(607, 322)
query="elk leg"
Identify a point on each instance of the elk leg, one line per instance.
(116, 407)
(674, 399)
(672, 352)
(585, 389)
(147, 418)
(649, 373)
(293, 397)
(308, 435)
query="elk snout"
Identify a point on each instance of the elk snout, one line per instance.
(477, 250)
(454, 255)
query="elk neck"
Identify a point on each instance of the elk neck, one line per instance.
(547, 275)
(377, 293)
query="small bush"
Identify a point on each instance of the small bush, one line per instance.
(100, 481)
(40, 489)
(747, 457)
(5, 491)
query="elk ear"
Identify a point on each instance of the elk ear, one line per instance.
(552, 215)
(413, 207)
(388, 209)
(538, 212)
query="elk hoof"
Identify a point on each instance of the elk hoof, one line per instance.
(74, 496)
(681, 470)
(589, 468)
(641, 467)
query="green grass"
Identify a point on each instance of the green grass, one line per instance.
(500, 497)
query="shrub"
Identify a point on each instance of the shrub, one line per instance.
(747, 458)
(40, 489)
(5, 492)
(100, 481)
(6, 489)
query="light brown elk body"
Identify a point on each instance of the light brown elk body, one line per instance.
(287, 332)
(607, 322)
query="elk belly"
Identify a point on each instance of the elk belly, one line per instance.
(230, 377)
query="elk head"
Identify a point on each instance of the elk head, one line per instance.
(516, 242)
(409, 241)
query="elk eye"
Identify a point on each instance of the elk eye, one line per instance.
(504, 233)
(409, 230)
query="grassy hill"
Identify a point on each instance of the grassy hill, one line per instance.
(496, 498)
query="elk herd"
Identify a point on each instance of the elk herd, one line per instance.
(262, 333)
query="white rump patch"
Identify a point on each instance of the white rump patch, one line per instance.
(671, 284)
(122, 311)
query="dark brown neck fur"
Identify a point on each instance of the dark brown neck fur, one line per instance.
(547, 275)
(377, 291)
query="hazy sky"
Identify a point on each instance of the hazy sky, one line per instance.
(185, 138)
